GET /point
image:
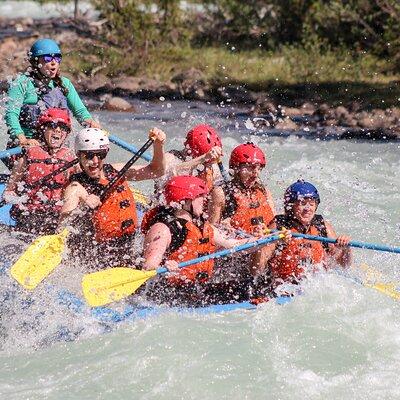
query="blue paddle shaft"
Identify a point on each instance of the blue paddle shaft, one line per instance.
(224, 173)
(113, 139)
(127, 146)
(10, 152)
(360, 245)
(353, 243)
(223, 253)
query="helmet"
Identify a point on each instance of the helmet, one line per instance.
(43, 47)
(54, 115)
(185, 187)
(91, 139)
(201, 139)
(247, 153)
(300, 190)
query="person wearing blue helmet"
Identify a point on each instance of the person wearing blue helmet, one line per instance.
(289, 261)
(41, 87)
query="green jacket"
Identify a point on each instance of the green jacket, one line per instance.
(22, 91)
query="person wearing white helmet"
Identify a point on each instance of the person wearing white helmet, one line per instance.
(111, 224)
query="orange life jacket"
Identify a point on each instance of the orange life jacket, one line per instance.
(116, 217)
(289, 259)
(39, 163)
(187, 242)
(246, 211)
(208, 177)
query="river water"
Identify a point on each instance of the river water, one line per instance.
(338, 340)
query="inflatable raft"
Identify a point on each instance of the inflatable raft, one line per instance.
(108, 315)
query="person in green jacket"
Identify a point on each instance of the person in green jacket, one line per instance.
(39, 88)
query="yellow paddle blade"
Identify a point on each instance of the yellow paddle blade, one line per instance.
(140, 197)
(372, 281)
(39, 260)
(113, 284)
(389, 289)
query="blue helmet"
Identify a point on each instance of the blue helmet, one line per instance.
(300, 190)
(44, 47)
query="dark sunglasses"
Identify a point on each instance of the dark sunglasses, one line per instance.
(50, 57)
(89, 155)
(55, 125)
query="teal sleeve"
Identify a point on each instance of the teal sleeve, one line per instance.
(15, 100)
(75, 103)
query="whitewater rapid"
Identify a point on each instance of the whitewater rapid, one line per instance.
(338, 340)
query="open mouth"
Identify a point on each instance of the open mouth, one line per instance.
(93, 169)
(52, 71)
(55, 139)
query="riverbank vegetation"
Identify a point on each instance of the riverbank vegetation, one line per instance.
(329, 48)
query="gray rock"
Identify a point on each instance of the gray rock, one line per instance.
(117, 104)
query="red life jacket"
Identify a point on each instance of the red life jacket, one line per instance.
(246, 211)
(116, 217)
(39, 163)
(289, 259)
(187, 242)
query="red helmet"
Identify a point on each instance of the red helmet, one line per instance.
(54, 115)
(201, 139)
(184, 187)
(247, 153)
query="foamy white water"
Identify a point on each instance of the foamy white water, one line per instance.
(338, 340)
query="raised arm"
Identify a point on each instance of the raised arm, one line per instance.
(156, 167)
(216, 205)
(210, 157)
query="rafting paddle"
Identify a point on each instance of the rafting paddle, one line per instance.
(107, 286)
(352, 243)
(45, 253)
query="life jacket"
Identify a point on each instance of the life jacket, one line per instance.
(47, 98)
(188, 241)
(116, 216)
(289, 259)
(246, 211)
(208, 176)
(39, 163)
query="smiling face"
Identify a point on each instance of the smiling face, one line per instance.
(49, 69)
(55, 135)
(249, 174)
(304, 210)
(92, 162)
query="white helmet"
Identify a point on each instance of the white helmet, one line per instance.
(91, 139)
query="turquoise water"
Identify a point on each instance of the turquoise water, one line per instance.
(338, 340)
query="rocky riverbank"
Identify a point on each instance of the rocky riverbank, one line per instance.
(267, 109)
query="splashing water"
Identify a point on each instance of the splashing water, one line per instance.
(338, 340)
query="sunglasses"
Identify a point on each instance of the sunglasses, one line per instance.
(89, 155)
(55, 125)
(49, 58)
